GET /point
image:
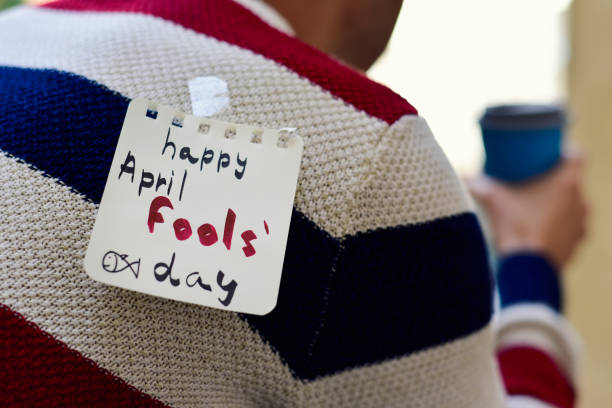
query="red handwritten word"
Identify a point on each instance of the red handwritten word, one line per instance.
(207, 234)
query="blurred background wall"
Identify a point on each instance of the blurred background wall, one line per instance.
(8, 3)
(589, 280)
(451, 59)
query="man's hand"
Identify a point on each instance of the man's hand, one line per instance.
(546, 215)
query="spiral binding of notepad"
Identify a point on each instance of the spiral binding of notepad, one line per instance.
(256, 135)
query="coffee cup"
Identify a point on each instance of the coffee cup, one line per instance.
(522, 141)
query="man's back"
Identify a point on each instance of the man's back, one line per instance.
(385, 297)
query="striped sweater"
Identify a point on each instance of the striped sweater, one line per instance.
(386, 294)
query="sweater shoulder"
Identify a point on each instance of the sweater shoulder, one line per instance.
(230, 22)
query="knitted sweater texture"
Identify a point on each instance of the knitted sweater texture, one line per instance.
(386, 296)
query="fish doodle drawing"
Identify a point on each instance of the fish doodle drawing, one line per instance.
(114, 262)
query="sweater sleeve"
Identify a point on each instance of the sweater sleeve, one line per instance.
(536, 349)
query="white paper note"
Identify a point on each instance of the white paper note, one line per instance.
(196, 210)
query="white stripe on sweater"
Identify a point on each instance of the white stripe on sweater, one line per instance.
(520, 401)
(458, 374)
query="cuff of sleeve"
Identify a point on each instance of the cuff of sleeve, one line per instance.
(528, 277)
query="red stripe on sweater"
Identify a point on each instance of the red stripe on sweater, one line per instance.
(232, 23)
(37, 370)
(529, 371)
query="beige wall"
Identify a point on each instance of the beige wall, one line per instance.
(589, 280)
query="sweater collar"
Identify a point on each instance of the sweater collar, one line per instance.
(267, 14)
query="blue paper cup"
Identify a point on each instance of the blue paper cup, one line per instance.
(522, 141)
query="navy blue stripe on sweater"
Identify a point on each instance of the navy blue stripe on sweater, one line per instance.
(343, 302)
(386, 293)
(526, 277)
(64, 124)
